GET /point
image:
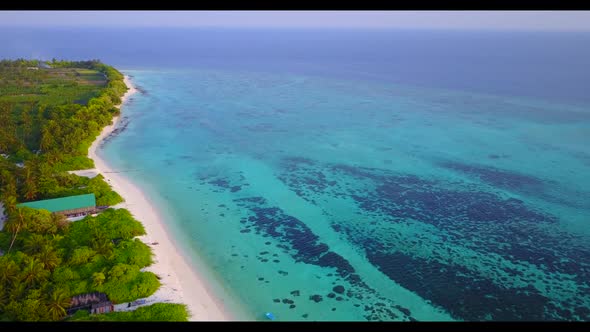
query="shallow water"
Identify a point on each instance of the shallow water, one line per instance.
(360, 175)
(318, 198)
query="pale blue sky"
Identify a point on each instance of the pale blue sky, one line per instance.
(521, 20)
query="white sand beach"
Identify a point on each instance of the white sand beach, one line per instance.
(180, 282)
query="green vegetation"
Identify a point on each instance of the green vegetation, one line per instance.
(49, 118)
(49, 260)
(158, 312)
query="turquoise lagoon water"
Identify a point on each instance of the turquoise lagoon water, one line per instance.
(324, 198)
(360, 174)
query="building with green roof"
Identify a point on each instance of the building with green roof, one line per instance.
(68, 206)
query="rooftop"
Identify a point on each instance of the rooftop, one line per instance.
(63, 203)
(88, 299)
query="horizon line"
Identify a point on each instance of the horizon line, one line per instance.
(266, 27)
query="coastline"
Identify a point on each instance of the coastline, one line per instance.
(180, 283)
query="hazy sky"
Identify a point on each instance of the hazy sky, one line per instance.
(522, 20)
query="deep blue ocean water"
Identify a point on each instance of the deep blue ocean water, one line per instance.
(361, 175)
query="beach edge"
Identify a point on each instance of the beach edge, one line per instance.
(180, 283)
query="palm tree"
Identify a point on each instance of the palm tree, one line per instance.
(56, 238)
(8, 193)
(34, 244)
(10, 203)
(60, 221)
(102, 245)
(48, 257)
(30, 189)
(47, 140)
(98, 278)
(8, 272)
(4, 299)
(14, 225)
(34, 272)
(17, 291)
(57, 304)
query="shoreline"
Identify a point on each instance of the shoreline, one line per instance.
(180, 283)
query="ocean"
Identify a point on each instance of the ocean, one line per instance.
(352, 175)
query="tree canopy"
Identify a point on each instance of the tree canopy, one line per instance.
(49, 115)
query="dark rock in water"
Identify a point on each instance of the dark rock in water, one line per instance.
(245, 231)
(292, 306)
(261, 278)
(331, 295)
(235, 188)
(338, 289)
(339, 298)
(222, 183)
(332, 259)
(305, 315)
(234, 255)
(349, 293)
(297, 239)
(263, 252)
(531, 304)
(333, 309)
(276, 260)
(357, 305)
(493, 156)
(316, 298)
(283, 273)
(498, 177)
(287, 301)
(264, 260)
(267, 243)
(276, 300)
(295, 293)
(403, 310)
(514, 200)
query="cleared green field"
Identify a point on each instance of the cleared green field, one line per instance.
(88, 76)
(52, 86)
